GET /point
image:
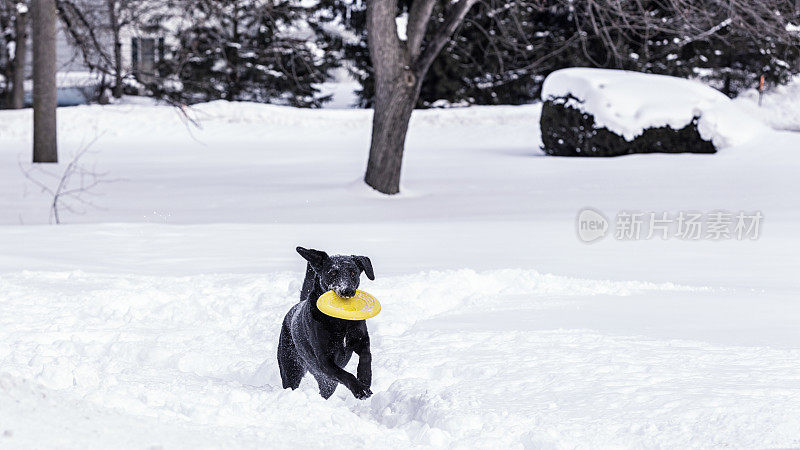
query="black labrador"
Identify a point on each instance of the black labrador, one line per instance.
(314, 342)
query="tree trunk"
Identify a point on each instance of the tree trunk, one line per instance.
(17, 96)
(113, 18)
(118, 86)
(393, 107)
(399, 68)
(396, 92)
(45, 96)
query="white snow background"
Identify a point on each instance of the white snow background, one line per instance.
(151, 319)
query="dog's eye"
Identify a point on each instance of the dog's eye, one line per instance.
(333, 273)
(352, 272)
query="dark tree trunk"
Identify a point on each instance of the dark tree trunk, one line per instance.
(394, 97)
(45, 97)
(389, 126)
(113, 18)
(17, 95)
(232, 56)
(118, 84)
(399, 68)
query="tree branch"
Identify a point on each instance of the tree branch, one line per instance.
(418, 18)
(442, 36)
(88, 43)
(385, 47)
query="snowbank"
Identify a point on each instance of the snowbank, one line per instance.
(627, 103)
(127, 361)
(780, 105)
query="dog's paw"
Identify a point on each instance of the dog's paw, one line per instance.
(361, 391)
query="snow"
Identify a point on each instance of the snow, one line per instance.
(72, 79)
(401, 22)
(779, 108)
(342, 89)
(627, 103)
(150, 320)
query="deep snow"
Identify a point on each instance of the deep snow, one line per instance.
(778, 106)
(151, 319)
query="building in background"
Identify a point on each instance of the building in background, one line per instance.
(78, 83)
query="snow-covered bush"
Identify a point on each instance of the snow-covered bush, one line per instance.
(599, 112)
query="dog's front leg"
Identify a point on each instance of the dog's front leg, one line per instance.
(359, 389)
(364, 371)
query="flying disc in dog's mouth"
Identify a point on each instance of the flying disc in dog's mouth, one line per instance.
(361, 306)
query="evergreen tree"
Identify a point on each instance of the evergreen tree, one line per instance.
(732, 61)
(733, 52)
(251, 50)
(8, 41)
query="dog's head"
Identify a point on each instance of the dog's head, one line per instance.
(338, 273)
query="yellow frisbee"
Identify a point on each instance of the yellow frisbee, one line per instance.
(362, 306)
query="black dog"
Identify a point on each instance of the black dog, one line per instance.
(314, 342)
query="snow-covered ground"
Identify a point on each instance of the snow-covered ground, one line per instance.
(778, 107)
(150, 320)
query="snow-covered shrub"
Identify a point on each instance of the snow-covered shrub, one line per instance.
(567, 131)
(599, 112)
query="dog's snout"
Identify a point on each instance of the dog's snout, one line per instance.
(347, 293)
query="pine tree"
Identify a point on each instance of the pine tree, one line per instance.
(731, 55)
(252, 50)
(731, 61)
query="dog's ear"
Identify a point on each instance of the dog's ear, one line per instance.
(366, 265)
(314, 257)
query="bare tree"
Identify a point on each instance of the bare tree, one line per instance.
(70, 190)
(13, 50)
(96, 29)
(17, 97)
(45, 96)
(17, 93)
(400, 67)
(115, 22)
(7, 44)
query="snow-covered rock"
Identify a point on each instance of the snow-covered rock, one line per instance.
(629, 103)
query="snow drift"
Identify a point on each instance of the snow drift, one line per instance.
(127, 361)
(779, 107)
